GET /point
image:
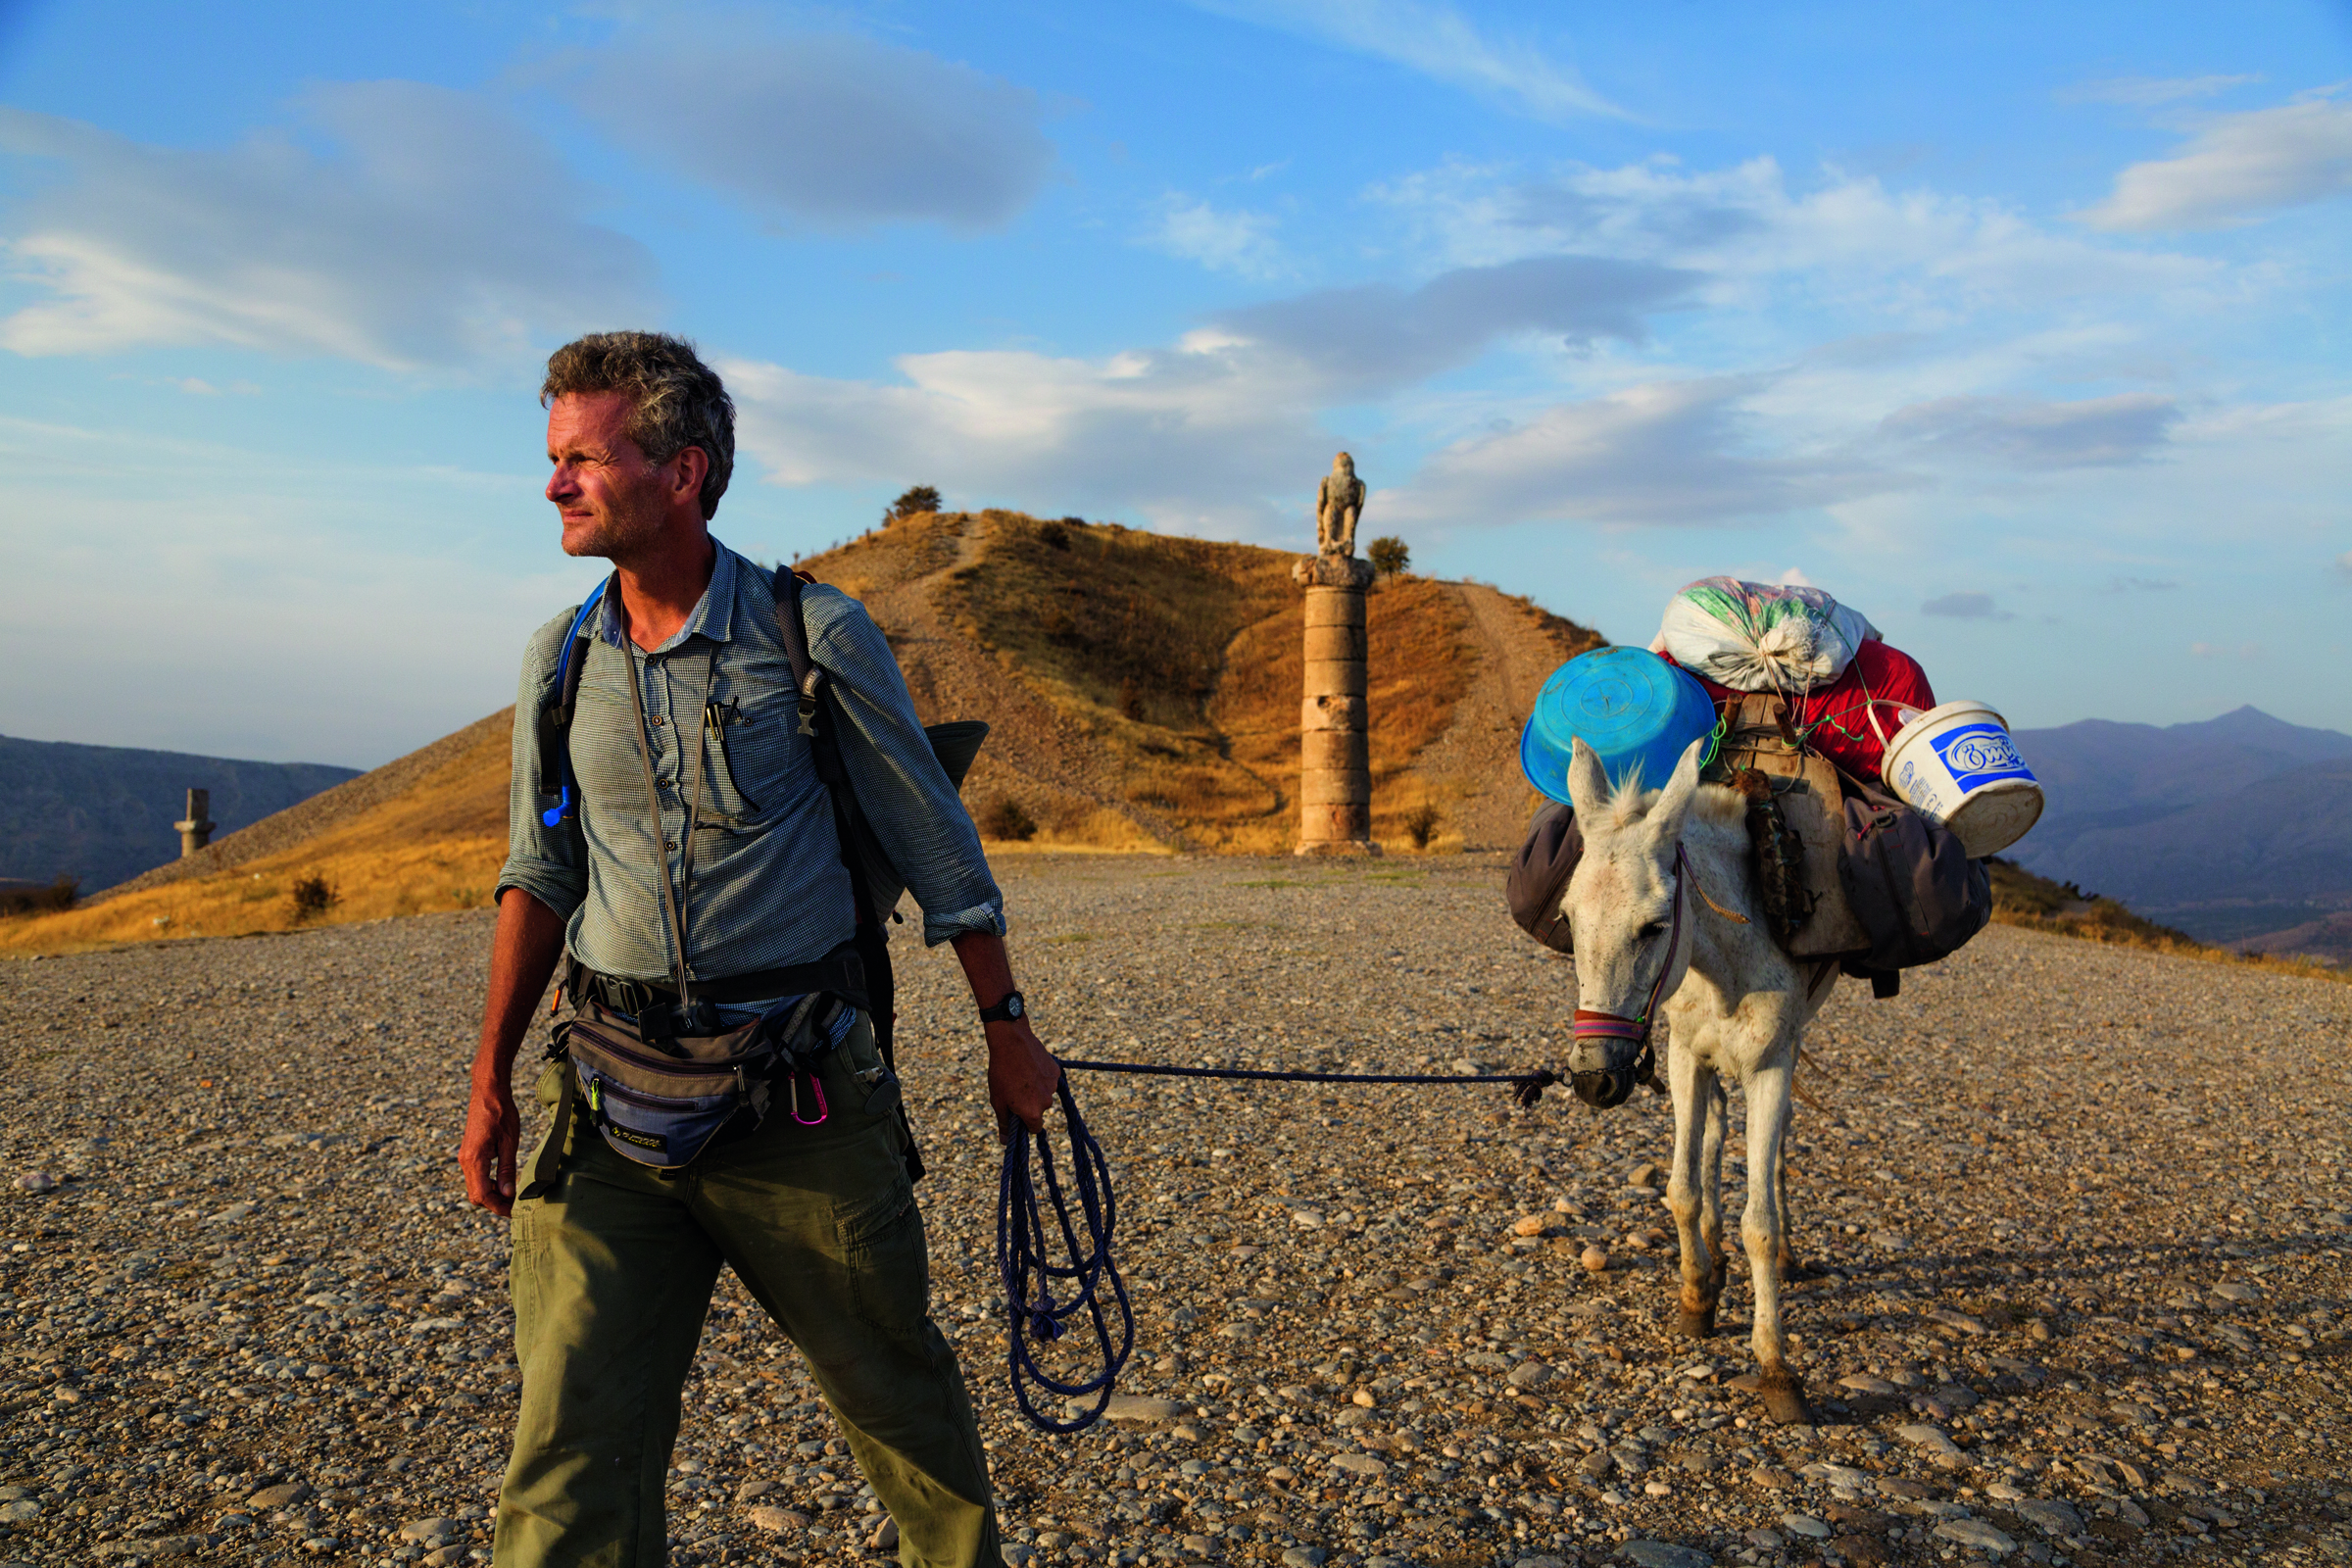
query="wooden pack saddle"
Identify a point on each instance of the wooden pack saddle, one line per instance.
(1811, 798)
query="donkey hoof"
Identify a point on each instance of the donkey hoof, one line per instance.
(1700, 1325)
(1785, 1397)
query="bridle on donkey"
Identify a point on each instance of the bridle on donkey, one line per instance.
(1608, 1087)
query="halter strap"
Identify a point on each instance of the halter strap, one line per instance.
(1593, 1024)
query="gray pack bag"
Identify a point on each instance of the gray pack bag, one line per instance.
(1538, 877)
(1913, 888)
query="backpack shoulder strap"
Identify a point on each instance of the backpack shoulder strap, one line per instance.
(816, 721)
(555, 716)
(808, 680)
(872, 938)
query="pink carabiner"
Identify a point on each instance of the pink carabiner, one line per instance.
(821, 1112)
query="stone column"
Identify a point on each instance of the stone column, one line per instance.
(1334, 757)
(197, 830)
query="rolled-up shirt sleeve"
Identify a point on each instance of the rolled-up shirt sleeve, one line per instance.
(906, 797)
(550, 863)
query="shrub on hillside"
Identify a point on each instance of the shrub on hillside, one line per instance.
(917, 500)
(1421, 825)
(1390, 556)
(313, 896)
(1004, 818)
(58, 895)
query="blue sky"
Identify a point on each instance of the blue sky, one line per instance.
(2020, 327)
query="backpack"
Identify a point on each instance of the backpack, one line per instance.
(875, 885)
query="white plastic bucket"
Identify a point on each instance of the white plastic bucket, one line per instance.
(1956, 763)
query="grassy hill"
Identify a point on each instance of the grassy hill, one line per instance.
(2021, 898)
(1144, 693)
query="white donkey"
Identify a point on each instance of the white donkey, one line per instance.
(1664, 908)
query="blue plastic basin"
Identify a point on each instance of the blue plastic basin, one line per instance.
(1629, 705)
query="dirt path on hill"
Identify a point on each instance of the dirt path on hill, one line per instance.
(1475, 764)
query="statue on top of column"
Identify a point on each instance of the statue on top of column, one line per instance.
(1339, 501)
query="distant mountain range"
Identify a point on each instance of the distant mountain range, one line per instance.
(104, 814)
(2236, 829)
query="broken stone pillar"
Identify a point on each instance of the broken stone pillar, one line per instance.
(197, 830)
(1334, 755)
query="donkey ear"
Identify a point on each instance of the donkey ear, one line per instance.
(1588, 785)
(1674, 800)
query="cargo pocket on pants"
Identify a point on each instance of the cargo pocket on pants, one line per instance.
(888, 1260)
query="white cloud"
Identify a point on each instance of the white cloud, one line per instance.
(1664, 452)
(838, 131)
(2092, 432)
(1966, 606)
(2237, 169)
(1438, 42)
(440, 231)
(2149, 92)
(1372, 338)
(1235, 241)
(1196, 437)
(1915, 256)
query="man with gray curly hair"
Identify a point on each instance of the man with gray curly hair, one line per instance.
(674, 847)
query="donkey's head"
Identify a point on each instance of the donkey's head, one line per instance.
(1626, 919)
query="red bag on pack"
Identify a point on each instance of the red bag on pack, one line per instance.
(1835, 719)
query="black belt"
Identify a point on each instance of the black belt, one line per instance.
(840, 973)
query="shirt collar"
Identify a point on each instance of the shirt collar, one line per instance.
(713, 614)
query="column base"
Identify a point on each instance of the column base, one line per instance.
(1329, 848)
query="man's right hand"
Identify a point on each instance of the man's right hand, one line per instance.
(493, 1135)
(523, 954)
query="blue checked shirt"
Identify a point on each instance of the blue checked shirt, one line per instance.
(766, 886)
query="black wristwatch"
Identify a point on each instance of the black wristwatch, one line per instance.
(1015, 1006)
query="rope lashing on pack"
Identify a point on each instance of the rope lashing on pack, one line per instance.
(1024, 1243)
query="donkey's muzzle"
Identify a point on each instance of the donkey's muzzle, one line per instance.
(1612, 1055)
(1604, 1090)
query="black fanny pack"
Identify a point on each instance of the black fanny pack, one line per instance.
(660, 1102)
(660, 1081)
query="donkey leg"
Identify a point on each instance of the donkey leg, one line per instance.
(1784, 1255)
(1710, 1195)
(1767, 1119)
(1692, 1086)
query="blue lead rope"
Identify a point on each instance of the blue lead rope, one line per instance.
(1024, 1258)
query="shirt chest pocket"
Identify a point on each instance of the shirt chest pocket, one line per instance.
(753, 757)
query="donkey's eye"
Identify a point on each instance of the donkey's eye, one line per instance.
(1650, 931)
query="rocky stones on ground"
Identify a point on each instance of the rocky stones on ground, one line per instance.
(165, 1358)
(1664, 1554)
(1977, 1534)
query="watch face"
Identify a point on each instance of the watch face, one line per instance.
(1014, 1006)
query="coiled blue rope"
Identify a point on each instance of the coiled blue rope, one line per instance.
(1031, 1277)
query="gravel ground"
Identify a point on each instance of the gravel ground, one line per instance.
(2076, 1210)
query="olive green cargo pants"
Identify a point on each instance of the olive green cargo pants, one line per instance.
(612, 1273)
